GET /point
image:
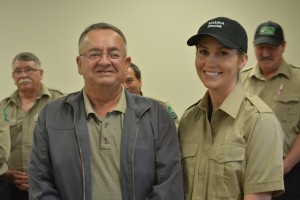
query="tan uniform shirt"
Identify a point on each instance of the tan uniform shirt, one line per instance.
(4, 145)
(22, 124)
(281, 93)
(105, 140)
(239, 152)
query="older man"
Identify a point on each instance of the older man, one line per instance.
(20, 111)
(277, 83)
(103, 142)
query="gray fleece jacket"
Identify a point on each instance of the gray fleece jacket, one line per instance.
(59, 165)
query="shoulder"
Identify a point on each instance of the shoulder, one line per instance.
(190, 110)
(295, 67)
(54, 91)
(258, 104)
(4, 101)
(247, 69)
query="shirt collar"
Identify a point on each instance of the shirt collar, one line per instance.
(231, 104)
(283, 69)
(14, 97)
(121, 106)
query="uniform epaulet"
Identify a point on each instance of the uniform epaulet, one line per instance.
(4, 100)
(261, 106)
(55, 90)
(294, 66)
(194, 104)
(247, 68)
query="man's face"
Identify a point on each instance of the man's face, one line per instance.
(26, 75)
(131, 83)
(98, 63)
(269, 57)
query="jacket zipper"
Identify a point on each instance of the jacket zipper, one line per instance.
(133, 150)
(80, 152)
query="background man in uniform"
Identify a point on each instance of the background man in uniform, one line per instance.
(277, 83)
(20, 112)
(133, 83)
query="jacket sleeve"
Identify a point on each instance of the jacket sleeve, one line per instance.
(41, 181)
(169, 179)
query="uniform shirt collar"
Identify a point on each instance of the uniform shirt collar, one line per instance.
(283, 69)
(14, 97)
(231, 104)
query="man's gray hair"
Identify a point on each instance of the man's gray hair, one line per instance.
(101, 26)
(27, 56)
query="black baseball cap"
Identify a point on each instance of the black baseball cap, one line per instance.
(227, 31)
(269, 33)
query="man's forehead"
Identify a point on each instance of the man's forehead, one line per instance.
(24, 63)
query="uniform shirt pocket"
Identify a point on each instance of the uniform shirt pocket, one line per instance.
(226, 170)
(188, 153)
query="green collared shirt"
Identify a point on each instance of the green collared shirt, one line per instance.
(105, 141)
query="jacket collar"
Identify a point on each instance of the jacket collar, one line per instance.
(135, 103)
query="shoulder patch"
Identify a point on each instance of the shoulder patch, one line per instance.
(261, 106)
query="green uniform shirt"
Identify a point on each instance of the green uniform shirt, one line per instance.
(105, 141)
(21, 124)
(281, 93)
(237, 153)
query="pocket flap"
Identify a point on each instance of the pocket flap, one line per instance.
(228, 152)
(287, 98)
(188, 149)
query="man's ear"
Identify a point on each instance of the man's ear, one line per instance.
(78, 61)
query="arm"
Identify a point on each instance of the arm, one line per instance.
(264, 170)
(41, 181)
(258, 196)
(169, 184)
(293, 156)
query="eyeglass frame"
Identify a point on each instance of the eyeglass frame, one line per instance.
(27, 71)
(98, 55)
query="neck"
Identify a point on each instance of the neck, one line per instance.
(268, 74)
(103, 100)
(27, 98)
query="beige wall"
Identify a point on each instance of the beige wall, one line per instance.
(156, 31)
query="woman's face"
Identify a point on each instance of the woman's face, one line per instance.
(218, 66)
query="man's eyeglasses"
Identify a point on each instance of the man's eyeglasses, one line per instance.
(97, 55)
(27, 71)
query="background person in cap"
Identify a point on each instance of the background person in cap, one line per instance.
(231, 141)
(277, 83)
(133, 83)
(20, 112)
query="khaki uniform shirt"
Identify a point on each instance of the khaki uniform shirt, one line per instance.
(281, 93)
(4, 145)
(21, 125)
(239, 152)
(105, 141)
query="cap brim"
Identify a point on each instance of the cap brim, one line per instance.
(267, 40)
(227, 43)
